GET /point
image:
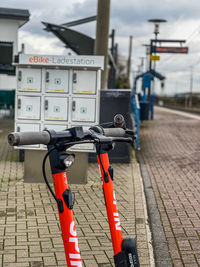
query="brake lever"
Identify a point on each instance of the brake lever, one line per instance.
(122, 139)
(107, 125)
(130, 132)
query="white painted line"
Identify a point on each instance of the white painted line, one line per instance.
(148, 230)
(181, 113)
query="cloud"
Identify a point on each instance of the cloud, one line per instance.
(36, 44)
(128, 17)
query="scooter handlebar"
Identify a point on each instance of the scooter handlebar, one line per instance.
(45, 137)
(71, 135)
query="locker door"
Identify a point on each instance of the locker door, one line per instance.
(84, 82)
(29, 79)
(57, 81)
(28, 107)
(27, 127)
(83, 109)
(56, 108)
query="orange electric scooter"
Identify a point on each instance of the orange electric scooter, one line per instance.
(125, 252)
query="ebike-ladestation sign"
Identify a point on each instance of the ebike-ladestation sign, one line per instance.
(57, 92)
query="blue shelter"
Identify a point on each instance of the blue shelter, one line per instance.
(145, 103)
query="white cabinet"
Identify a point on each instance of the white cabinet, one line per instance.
(28, 127)
(56, 81)
(29, 79)
(83, 109)
(57, 92)
(84, 82)
(56, 108)
(28, 107)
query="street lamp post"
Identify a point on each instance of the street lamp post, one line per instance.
(156, 32)
(153, 43)
(147, 52)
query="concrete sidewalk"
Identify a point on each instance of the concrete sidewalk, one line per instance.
(171, 153)
(29, 225)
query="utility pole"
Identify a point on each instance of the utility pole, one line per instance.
(129, 58)
(147, 52)
(191, 87)
(151, 91)
(112, 36)
(142, 64)
(102, 35)
(112, 71)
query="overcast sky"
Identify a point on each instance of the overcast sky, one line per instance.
(128, 17)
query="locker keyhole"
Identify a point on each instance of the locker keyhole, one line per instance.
(47, 77)
(83, 110)
(20, 76)
(19, 104)
(46, 104)
(30, 80)
(29, 108)
(56, 109)
(57, 81)
(73, 105)
(74, 77)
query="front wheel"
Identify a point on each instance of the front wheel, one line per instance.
(130, 249)
(128, 257)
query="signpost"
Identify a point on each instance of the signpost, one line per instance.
(170, 49)
(154, 58)
(154, 49)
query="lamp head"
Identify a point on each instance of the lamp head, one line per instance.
(157, 23)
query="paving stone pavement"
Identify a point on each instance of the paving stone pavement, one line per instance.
(170, 147)
(29, 226)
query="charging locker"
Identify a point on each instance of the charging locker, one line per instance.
(28, 107)
(83, 109)
(29, 79)
(56, 108)
(84, 82)
(56, 81)
(28, 127)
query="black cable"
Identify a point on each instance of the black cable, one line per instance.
(99, 155)
(44, 162)
(44, 173)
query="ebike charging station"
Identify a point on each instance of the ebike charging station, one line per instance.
(57, 92)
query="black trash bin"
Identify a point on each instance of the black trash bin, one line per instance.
(112, 102)
(144, 111)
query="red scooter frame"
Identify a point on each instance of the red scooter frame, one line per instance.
(110, 201)
(125, 253)
(65, 200)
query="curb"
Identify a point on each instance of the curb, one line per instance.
(148, 230)
(160, 248)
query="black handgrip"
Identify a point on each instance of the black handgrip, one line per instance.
(114, 132)
(28, 138)
(109, 132)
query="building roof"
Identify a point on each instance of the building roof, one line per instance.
(78, 42)
(16, 14)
